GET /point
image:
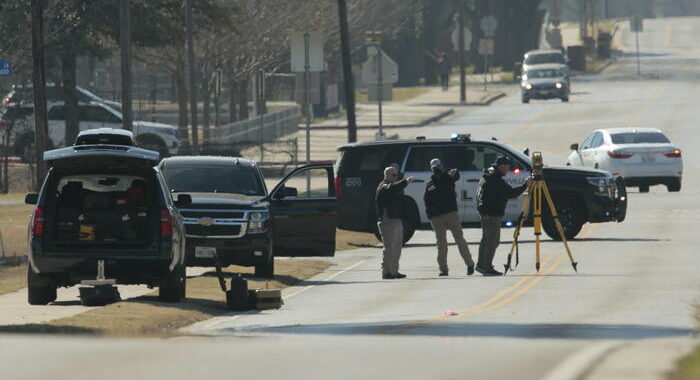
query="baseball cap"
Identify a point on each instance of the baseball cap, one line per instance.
(435, 162)
(502, 160)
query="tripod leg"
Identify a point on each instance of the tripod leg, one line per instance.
(560, 228)
(537, 219)
(524, 211)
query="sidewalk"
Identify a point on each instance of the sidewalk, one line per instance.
(399, 118)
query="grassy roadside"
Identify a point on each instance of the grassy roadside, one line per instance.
(12, 278)
(689, 367)
(146, 316)
(400, 94)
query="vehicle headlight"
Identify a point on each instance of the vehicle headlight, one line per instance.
(258, 222)
(602, 186)
(559, 85)
(528, 86)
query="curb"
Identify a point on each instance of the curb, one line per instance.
(423, 123)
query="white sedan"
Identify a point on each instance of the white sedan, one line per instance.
(642, 156)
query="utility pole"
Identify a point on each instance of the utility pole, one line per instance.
(125, 45)
(192, 74)
(39, 85)
(462, 72)
(349, 84)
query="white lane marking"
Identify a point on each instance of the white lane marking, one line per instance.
(578, 365)
(210, 324)
(334, 275)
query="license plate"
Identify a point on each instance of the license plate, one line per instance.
(648, 158)
(204, 252)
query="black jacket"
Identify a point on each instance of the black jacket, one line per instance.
(494, 192)
(440, 197)
(390, 197)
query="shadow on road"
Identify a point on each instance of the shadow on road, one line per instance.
(486, 330)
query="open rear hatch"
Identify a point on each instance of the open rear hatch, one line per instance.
(102, 199)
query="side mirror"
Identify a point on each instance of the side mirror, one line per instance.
(183, 200)
(285, 192)
(31, 198)
(574, 146)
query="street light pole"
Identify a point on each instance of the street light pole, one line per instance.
(462, 71)
(192, 74)
(349, 84)
(39, 86)
(125, 46)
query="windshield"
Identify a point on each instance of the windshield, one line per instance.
(639, 138)
(214, 179)
(538, 59)
(544, 73)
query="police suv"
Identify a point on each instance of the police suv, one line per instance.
(581, 195)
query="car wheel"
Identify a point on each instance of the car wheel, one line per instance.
(153, 143)
(171, 285)
(266, 269)
(570, 215)
(565, 99)
(644, 189)
(41, 289)
(526, 100)
(674, 186)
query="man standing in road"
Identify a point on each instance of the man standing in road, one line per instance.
(492, 197)
(441, 206)
(390, 216)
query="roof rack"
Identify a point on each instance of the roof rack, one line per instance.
(467, 137)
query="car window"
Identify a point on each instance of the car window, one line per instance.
(462, 157)
(371, 159)
(94, 114)
(230, 179)
(639, 138)
(544, 73)
(317, 181)
(537, 59)
(597, 140)
(587, 142)
(57, 113)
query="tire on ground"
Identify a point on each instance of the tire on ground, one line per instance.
(674, 186)
(41, 288)
(171, 285)
(267, 268)
(571, 214)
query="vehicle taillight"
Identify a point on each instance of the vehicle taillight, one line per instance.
(338, 183)
(676, 153)
(38, 222)
(614, 154)
(166, 224)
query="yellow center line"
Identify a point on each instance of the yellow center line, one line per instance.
(501, 298)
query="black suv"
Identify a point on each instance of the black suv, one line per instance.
(234, 218)
(580, 195)
(102, 199)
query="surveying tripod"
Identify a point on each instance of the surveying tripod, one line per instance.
(536, 191)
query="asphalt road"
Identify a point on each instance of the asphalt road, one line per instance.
(637, 280)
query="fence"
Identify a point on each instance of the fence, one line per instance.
(266, 128)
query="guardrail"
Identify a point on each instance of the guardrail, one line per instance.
(270, 128)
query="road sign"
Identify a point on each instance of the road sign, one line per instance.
(315, 46)
(467, 39)
(5, 68)
(489, 24)
(373, 92)
(486, 46)
(370, 69)
(314, 88)
(637, 24)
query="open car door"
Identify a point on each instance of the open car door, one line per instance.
(303, 208)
